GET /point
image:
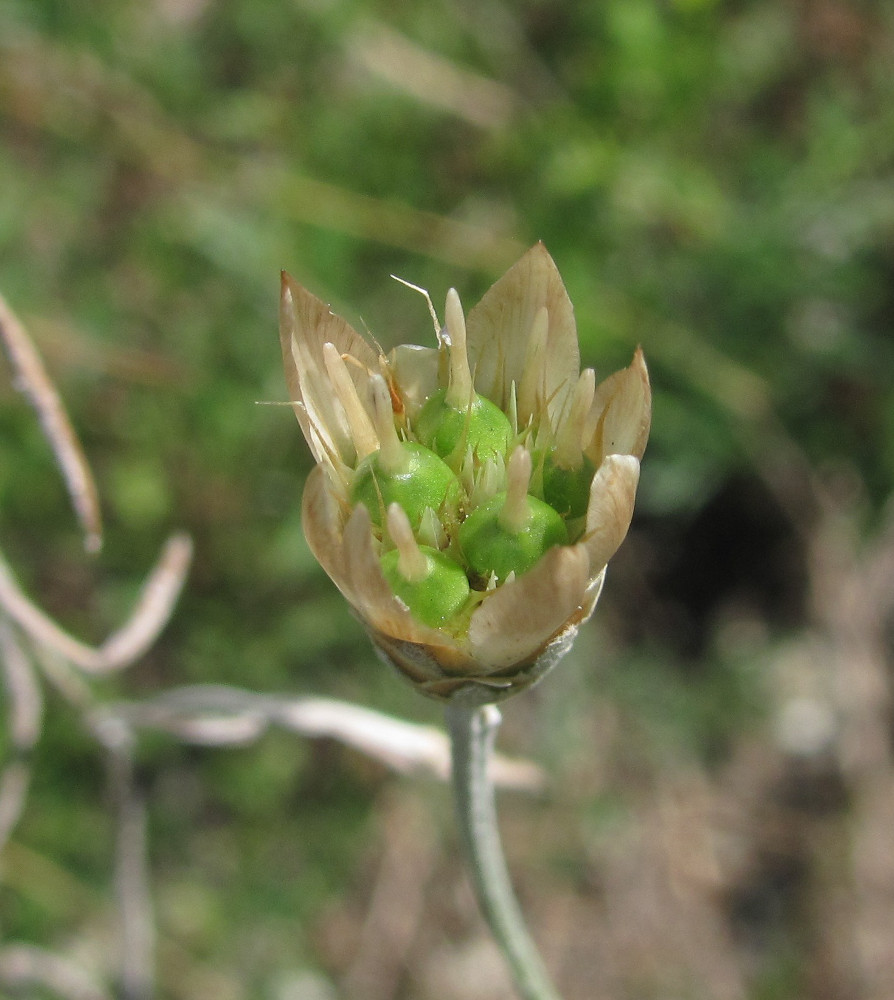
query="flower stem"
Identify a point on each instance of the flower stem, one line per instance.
(473, 731)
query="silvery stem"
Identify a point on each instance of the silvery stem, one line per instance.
(473, 731)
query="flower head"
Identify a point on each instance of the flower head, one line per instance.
(468, 496)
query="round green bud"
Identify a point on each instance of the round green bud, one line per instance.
(421, 480)
(438, 596)
(483, 426)
(490, 547)
(567, 491)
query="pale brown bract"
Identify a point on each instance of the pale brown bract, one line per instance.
(523, 626)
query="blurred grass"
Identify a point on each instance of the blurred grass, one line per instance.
(714, 181)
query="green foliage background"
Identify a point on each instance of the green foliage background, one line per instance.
(714, 181)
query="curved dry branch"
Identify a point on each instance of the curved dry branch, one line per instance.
(25, 711)
(30, 377)
(216, 715)
(22, 690)
(149, 616)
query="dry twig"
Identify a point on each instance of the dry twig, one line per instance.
(32, 379)
(136, 926)
(122, 648)
(213, 715)
(25, 708)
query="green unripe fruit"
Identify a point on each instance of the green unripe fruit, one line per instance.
(567, 491)
(490, 547)
(438, 596)
(483, 427)
(421, 480)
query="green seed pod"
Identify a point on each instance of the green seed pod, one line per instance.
(567, 491)
(431, 584)
(398, 471)
(417, 478)
(457, 419)
(510, 533)
(481, 426)
(436, 598)
(492, 548)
